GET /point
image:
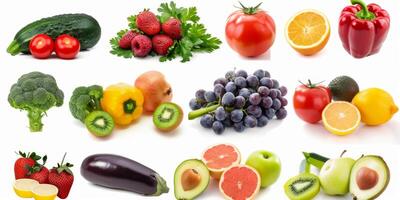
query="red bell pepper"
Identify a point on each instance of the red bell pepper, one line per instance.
(363, 28)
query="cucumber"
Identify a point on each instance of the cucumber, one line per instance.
(315, 159)
(81, 26)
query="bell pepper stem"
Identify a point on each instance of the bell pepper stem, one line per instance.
(129, 106)
(364, 13)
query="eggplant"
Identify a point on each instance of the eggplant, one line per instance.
(117, 172)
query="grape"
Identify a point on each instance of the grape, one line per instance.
(276, 83)
(244, 92)
(228, 99)
(220, 114)
(218, 127)
(255, 99)
(259, 73)
(270, 113)
(240, 82)
(210, 96)
(256, 111)
(200, 95)
(207, 121)
(284, 101)
(273, 94)
(221, 81)
(230, 87)
(263, 91)
(228, 122)
(250, 121)
(252, 81)
(239, 127)
(241, 73)
(281, 114)
(194, 104)
(266, 102)
(267, 74)
(219, 90)
(262, 121)
(276, 104)
(230, 75)
(240, 102)
(278, 93)
(237, 115)
(283, 90)
(267, 82)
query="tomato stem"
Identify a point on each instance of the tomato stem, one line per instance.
(309, 84)
(249, 10)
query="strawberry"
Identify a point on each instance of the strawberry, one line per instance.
(125, 42)
(62, 177)
(148, 22)
(172, 28)
(161, 44)
(39, 172)
(22, 165)
(141, 46)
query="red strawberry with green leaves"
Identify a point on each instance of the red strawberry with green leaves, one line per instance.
(161, 44)
(148, 22)
(172, 28)
(62, 177)
(126, 40)
(39, 172)
(23, 164)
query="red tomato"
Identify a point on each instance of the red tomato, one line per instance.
(41, 46)
(67, 47)
(310, 100)
(250, 31)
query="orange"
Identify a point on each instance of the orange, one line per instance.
(219, 158)
(341, 118)
(308, 32)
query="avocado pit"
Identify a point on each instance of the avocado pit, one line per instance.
(190, 179)
(367, 178)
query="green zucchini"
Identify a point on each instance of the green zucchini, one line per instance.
(81, 26)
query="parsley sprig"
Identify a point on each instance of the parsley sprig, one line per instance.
(194, 34)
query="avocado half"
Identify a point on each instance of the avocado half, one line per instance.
(196, 176)
(369, 177)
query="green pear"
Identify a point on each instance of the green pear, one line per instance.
(335, 176)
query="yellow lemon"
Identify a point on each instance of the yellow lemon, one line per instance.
(308, 32)
(23, 187)
(376, 106)
(45, 192)
(341, 118)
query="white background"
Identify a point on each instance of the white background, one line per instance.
(141, 142)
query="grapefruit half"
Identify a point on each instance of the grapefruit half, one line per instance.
(219, 158)
(240, 182)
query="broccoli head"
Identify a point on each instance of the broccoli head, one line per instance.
(36, 93)
(85, 100)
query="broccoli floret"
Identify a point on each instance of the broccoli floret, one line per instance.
(85, 100)
(36, 93)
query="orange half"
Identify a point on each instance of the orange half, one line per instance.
(308, 32)
(341, 118)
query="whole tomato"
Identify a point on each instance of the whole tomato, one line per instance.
(250, 31)
(67, 47)
(310, 100)
(41, 46)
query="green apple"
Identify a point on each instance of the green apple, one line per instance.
(335, 176)
(268, 166)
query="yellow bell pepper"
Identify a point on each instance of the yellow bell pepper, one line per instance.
(123, 102)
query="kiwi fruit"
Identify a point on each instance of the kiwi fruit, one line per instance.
(167, 116)
(304, 186)
(99, 123)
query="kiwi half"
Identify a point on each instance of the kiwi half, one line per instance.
(168, 116)
(304, 186)
(99, 123)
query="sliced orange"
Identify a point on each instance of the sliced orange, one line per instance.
(341, 118)
(308, 32)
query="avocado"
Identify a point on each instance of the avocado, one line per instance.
(191, 179)
(343, 88)
(369, 177)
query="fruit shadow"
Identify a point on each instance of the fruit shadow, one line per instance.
(52, 57)
(264, 56)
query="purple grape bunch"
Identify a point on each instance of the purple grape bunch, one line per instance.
(240, 100)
